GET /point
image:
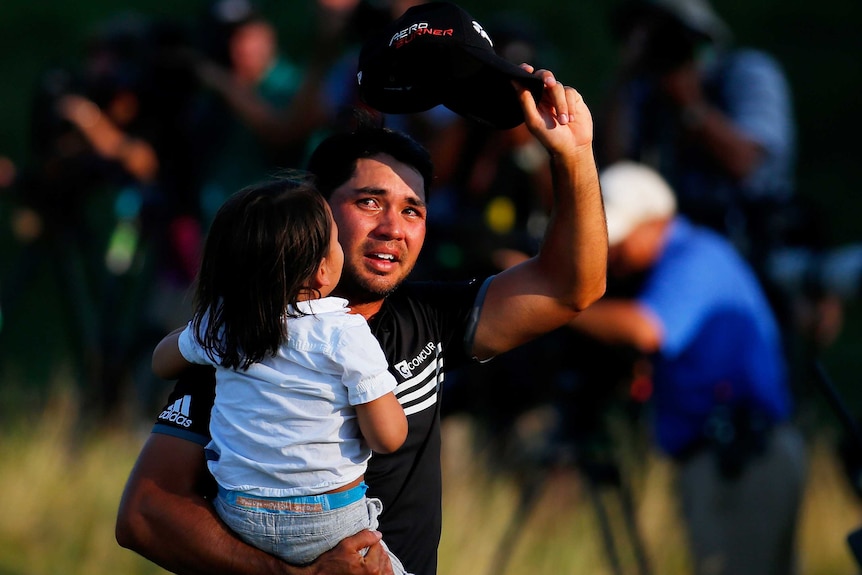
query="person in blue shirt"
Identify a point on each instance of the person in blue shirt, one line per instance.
(721, 403)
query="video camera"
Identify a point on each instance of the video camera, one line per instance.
(836, 271)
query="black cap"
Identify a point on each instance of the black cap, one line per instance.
(434, 54)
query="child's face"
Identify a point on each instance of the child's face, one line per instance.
(334, 260)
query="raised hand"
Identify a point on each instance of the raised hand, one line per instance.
(561, 120)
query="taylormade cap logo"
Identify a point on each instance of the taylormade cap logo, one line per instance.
(406, 367)
(178, 412)
(481, 32)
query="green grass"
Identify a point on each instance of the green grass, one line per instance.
(60, 491)
(61, 487)
(562, 533)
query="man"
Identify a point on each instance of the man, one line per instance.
(260, 109)
(376, 182)
(721, 401)
(715, 119)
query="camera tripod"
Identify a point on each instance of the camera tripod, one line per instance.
(599, 478)
(854, 435)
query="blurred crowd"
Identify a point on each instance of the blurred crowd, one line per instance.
(135, 149)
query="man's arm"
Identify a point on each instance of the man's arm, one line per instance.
(295, 123)
(548, 290)
(168, 362)
(163, 517)
(736, 152)
(135, 155)
(621, 322)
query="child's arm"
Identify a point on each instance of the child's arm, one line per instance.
(168, 362)
(383, 423)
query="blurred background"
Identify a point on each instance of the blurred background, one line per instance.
(98, 247)
(815, 44)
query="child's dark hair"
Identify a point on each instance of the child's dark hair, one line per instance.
(264, 246)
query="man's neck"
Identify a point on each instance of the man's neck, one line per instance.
(366, 309)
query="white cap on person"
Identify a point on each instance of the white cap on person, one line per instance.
(633, 194)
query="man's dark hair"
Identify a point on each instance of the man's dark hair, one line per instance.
(334, 160)
(264, 246)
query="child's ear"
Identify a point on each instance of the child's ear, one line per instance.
(322, 277)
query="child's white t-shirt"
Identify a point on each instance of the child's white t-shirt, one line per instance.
(286, 426)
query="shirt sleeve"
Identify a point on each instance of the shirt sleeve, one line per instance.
(190, 347)
(365, 369)
(758, 99)
(680, 291)
(455, 309)
(187, 412)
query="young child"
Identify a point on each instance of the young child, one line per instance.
(303, 394)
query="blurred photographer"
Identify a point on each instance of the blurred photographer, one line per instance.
(260, 108)
(93, 202)
(721, 403)
(715, 120)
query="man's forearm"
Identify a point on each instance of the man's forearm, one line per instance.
(574, 251)
(573, 258)
(162, 518)
(621, 322)
(193, 541)
(199, 544)
(545, 292)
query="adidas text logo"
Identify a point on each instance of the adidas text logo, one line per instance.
(178, 412)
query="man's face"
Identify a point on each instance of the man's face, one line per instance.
(639, 251)
(253, 49)
(380, 212)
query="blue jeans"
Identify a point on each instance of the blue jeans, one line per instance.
(299, 529)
